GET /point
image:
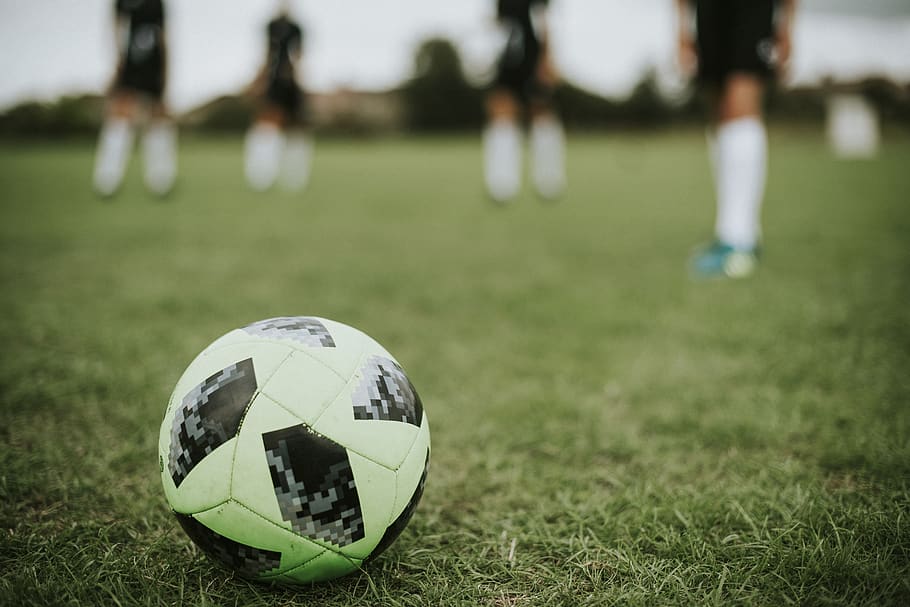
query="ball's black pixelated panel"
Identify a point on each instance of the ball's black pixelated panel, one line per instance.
(394, 530)
(244, 559)
(209, 416)
(302, 329)
(386, 393)
(314, 485)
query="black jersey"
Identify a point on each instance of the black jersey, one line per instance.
(285, 41)
(142, 60)
(518, 65)
(519, 10)
(145, 32)
(523, 44)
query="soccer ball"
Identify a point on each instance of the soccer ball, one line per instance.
(294, 449)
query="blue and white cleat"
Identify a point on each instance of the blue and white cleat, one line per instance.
(720, 260)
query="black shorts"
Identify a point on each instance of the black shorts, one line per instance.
(145, 80)
(522, 81)
(287, 96)
(734, 36)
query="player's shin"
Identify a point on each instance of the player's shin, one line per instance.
(742, 150)
(160, 155)
(548, 145)
(502, 159)
(298, 157)
(115, 144)
(263, 149)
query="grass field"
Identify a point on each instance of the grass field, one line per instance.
(605, 431)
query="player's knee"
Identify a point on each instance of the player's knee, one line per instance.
(123, 105)
(158, 112)
(501, 106)
(741, 97)
(542, 110)
(272, 115)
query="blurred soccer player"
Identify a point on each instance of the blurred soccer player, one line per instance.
(138, 92)
(523, 89)
(737, 47)
(277, 143)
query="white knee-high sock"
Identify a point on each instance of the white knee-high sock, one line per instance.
(548, 145)
(298, 155)
(742, 158)
(263, 149)
(160, 152)
(115, 144)
(502, 159)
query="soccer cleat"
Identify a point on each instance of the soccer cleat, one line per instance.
(720, 260)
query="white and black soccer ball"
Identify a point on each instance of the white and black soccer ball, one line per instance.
(294, 449)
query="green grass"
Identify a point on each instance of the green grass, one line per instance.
(626, 436)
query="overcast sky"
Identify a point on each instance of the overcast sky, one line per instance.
(51, 47)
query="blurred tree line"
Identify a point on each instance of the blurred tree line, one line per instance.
(69, 116)
(439, 98)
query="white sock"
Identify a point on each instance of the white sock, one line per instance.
(548, 147)
(742, 159)
(264, 145)
(502, 159)
(298, 155)
(160, 151)
(115, 143)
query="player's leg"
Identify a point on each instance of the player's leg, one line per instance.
(741, 157)
(502, 146)
(732, 37)
(738, 149)
(115, 142)
(298, 160)
(548, 150)
(160, 150)
(264, 147)
(298, 150)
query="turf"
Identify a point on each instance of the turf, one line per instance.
(605, 430)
